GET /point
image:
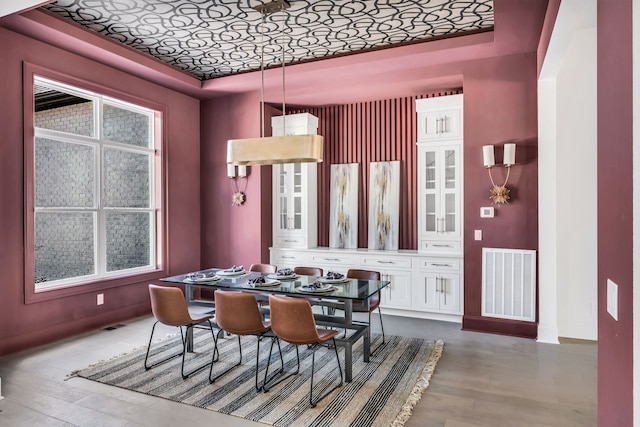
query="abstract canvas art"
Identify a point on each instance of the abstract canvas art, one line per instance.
(384, 205)
(343, 223)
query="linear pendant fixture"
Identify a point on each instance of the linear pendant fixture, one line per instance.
(274, 149)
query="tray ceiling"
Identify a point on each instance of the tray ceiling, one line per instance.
(216, 38)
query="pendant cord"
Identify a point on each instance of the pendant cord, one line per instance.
(264, 19)
(284, 112)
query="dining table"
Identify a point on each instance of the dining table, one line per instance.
(335, 294)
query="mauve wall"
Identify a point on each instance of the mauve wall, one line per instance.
(63, 316)
(615, 211)
(233, 234)
(500, 106)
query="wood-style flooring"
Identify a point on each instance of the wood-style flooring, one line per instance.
(481, 380)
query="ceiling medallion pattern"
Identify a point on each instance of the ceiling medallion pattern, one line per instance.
(215, 38)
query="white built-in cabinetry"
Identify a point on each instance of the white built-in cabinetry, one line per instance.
(439, 284)
(427, 282)
(295, 189)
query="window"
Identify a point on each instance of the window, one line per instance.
(94, 187)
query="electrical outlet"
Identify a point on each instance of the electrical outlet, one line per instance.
(100, 299)
(612, 298)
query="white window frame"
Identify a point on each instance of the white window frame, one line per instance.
(99, 211)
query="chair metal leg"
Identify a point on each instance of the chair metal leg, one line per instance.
(184, 352)
(146, 358)
(183, 339)
(213, 379)
(267, 379)
(313, 362)
(266, 386)
(381, 327)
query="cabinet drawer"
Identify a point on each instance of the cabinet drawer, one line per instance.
(291, 241)
(335, 259)
(289, 258)
(386, 262)
(440, 246)
(440, 264)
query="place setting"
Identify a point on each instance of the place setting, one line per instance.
(333, 278)
(316, 287)
(234, 271)
(261, 282)
(201, 277)
(283, 274)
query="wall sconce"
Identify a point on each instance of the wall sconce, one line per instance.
(238, 184)
(499, 193)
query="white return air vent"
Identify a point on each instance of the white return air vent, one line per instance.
(509, 284)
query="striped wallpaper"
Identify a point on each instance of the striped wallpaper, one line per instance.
(365, 132)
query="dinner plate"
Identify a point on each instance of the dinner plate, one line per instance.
(287, 277)
(305, 290)
(202, 279)
(333, 281)
(229, 273)
(268, 283)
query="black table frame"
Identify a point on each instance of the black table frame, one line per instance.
(342, 299)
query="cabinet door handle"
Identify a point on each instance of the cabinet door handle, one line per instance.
(441, 246)
(437, 285)
(444, 124)
(444, 290)
(385, 262)
(288, 257)
(332, 259)
(441, 265)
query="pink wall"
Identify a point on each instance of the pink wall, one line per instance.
(233, 234)
(615, 211)
(27, 325)
(500, 103)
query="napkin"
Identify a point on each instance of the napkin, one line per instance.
(199, 275)
(257, 281)
(332, 275)
(234, 269)
(284, 272)
(314, 286)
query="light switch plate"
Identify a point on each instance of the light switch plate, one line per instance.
(612, 298)
(477, 234)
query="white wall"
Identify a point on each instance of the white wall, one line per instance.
(568, 176)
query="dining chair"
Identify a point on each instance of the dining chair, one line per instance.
(263, 268)
(308, 271)
(237, 313)
(292, 321)
(311, 271)
(169, 307)
(368, 306)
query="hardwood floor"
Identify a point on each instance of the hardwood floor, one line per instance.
(481, 380)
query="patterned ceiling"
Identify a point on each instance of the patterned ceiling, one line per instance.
(216, 38)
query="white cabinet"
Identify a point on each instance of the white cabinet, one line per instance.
(439, 198)
(439, 285)
(295, 189)
(398, 271)
(420, 286)
(439, 118)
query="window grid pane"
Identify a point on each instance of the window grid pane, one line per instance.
(93, 198)
(64, 245)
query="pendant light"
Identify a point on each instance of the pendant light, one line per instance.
(274, 149)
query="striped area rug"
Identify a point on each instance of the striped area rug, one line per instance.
(383, 392)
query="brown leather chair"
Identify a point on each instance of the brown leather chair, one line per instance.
(292, 321)
(237, 313)
(362, 306)
(308, 271)
(263, 268)
(169, 307)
